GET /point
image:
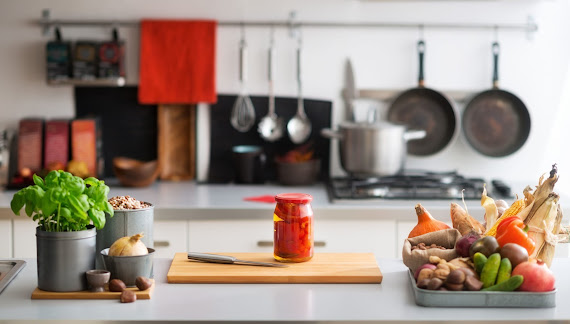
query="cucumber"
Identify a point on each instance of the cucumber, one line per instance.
(505, 269)
(479, 259)
(509, 285)
(490, 270)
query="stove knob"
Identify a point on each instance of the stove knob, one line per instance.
(501, 188)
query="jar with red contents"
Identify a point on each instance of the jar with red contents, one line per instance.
(293, 228)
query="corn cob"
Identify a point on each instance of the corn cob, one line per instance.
(542, 220)
(491, 211)
(513, 210)
(547, 252)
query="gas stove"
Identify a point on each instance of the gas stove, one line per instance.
(415, 184)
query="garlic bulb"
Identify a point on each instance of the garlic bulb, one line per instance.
(128, 246)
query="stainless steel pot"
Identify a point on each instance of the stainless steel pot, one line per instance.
(372, 149)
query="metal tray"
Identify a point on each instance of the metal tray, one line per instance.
(435, 298)
(8, 270)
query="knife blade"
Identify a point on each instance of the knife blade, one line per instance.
(218, 258)
(350, 92)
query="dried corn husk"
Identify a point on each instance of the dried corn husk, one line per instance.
(491, 212)
(513, 210)
(542, 221)
(544, 189)
(551, 239)
(463, 222)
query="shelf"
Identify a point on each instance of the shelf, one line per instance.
(109, 82)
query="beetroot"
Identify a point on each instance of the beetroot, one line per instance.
(464, 243)
(427, 265)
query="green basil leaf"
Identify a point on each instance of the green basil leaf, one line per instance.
(98, 218)
(18, 201)
(56, 194)
(91, 181)
(29, 208)
(84, 201)
(65, 213)
(39, 181)
(75, 204)
(108, 208)
(48, 206)
(52, 179)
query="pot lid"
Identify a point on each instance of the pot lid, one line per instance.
(367, 125)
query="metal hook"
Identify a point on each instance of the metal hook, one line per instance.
(293, 24)
(272, 35)
(421, 31)
(496, 33)
(242, 34)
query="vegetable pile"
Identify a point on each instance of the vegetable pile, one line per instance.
(512, 250)
(63, 202)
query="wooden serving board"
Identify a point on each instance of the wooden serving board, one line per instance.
(322, 268)
(86, 294)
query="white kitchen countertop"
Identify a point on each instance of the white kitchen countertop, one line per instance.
(190, 200)
(392, 300)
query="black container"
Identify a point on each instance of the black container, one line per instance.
(85, 60)
(58, 59)
(111, 56)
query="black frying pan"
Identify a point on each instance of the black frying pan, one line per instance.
(496, 122)
(425, 109)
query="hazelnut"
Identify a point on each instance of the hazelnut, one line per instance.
(128, 296)
(454, 287)
(473, 284)
(423, 284)
(117, 285)
(456, 277)
(143, 283)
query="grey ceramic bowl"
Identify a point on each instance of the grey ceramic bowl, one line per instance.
(97, 279)
(298, 173)
(128, 268)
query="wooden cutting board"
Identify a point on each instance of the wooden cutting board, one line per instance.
(322, 268)
(41, 294)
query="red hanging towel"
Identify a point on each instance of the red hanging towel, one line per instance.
(177, 62)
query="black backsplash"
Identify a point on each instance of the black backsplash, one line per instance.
(223, 136)
(129, 129)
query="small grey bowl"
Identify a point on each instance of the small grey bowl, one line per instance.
(97, 279)
(128, 268)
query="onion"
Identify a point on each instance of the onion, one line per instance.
(427, 265)
(464, 243)
(128, 246)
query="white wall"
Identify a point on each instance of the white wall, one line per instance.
(537, 70)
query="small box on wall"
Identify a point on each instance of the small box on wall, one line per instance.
(30, 144)
(86, 145)
(56, 144)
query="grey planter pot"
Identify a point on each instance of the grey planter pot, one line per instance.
(126, 222)
(63, 259)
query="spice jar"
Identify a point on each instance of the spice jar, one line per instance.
(293, 228)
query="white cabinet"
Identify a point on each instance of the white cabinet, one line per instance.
(170, 237)
(230, 235)
(5, 238)
(24, 237)
(376, 236)
(373, 236)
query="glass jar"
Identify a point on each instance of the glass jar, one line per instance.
(293, 228)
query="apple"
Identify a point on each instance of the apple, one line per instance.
(537, 276)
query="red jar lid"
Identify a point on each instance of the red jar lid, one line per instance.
(293, 198)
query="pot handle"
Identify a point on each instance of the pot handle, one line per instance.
(414, 135)
(329, 133)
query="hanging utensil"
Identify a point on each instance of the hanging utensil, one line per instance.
(243, 113)
(496, 122)
(350, 92)
(299, 127)
(271, 127)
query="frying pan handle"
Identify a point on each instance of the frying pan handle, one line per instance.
(421, 50)
(414, 135)
(329, 133)
(496, 49)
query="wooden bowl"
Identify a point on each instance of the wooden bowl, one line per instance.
(135, 173)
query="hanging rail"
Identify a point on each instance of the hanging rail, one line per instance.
(529, 27)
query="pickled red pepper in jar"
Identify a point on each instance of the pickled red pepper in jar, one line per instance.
(293, 228)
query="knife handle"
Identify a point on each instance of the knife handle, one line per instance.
(211, 257)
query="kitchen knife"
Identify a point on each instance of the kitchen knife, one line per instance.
(350, 92)
(216, 258)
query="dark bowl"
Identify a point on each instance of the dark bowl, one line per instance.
(298, 173)
(135, 173)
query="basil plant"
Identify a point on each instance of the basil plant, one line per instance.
(63, 202)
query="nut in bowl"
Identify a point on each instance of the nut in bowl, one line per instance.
(128, 268)
(135, 173)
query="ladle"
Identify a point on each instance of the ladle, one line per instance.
(299, 127)
(271, 126)
(243, 113)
